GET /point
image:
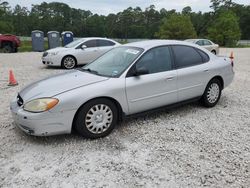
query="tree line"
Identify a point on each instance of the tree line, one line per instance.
(225, 24)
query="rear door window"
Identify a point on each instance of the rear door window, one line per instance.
(207, 43)
(186, 56)
(204, 56)
(101, 43)
(200, 43)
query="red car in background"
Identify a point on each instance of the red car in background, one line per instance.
(9, 43)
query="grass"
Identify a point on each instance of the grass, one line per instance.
(243, 46)
(26, 46)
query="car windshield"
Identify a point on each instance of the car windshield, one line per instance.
(74, 43)
(114, 62)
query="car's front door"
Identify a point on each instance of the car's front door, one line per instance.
(155, 89)
(88, 54)
(192, 71)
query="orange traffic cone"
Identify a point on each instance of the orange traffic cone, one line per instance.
(232, 55)
(12, 80)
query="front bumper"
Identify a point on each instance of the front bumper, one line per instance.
(51, 60)
(42, 124)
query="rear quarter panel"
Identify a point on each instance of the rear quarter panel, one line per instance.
(221, 66)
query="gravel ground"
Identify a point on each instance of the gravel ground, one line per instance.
(189, 146)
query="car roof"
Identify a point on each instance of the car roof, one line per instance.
(154, 43)
(195, 40)
(94, 38)
(88, 38)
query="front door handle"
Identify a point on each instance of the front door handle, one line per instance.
(206, 70)
(170, 78)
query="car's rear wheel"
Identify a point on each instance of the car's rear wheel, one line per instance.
(212, 93)
(69, 62)
(96, 118)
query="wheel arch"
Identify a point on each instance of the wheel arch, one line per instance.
(214, 51)
(117, 104)
(220, 79)
(68, 55)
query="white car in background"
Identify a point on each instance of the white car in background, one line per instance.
(207, 44)
(81, 51)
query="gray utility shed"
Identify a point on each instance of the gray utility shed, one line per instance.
(37, 38)
(53, 39)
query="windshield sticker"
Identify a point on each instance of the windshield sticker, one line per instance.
(132, 51)
(114, 73)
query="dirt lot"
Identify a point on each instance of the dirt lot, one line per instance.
(189, 146)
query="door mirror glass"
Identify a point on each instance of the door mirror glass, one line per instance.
(141, 71)
(83, 47)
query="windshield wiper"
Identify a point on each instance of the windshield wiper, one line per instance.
(90, 70)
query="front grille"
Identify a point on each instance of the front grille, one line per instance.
(19, 100)
(45, 54)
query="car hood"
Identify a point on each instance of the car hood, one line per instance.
(60, 83)
(58, 49)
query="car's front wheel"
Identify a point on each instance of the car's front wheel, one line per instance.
(7, 49)
(212, 93)
(96, 118)
(69, 62)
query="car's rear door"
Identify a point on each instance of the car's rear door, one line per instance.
(193, 71)
(158, 88)
(104, 46)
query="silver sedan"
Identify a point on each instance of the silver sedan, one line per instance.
(205, 43)
(129, 79)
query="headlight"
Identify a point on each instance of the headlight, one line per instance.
(40, 105)
(53, 53)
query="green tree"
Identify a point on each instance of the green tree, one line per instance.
(177, 26)
(186, 10)
(225, 29)
(20, 16)
(5, 18)
(5, 27)
(217, 4)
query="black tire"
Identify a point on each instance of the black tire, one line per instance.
(7, 49)
(212, 93)
(214, 52)
(83, 121)
(69, 62)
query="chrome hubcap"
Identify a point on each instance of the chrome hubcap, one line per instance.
(213, 93)
(69, 62)
(99, 118)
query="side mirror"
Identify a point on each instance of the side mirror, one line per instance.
(141, 71)
(83, 47)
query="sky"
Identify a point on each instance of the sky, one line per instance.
(105, 7)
